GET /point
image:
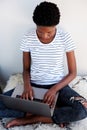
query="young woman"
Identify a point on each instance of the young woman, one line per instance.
(44, 49)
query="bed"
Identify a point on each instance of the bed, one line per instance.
(79, 84)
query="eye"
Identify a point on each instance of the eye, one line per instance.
(49, 32)
(39, 32)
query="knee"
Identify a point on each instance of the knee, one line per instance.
(80, 110)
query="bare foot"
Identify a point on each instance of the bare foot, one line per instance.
(62, 125)
(17, 122)
(28, 120)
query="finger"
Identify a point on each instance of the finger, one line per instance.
(50, 99)
(23, 96)
(46, 96)
(27, 96)
(45, 99)
(31, 95)
(52, 103)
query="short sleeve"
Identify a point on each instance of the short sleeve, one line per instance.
(24, 46)
(69, 43)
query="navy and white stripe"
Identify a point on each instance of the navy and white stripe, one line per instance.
(47, 60)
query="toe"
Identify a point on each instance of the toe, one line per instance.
(11, 123)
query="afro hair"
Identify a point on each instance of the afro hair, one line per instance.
(46, 14)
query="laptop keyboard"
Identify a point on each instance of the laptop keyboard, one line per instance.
(35, 99)
(18, 96)
(38, 100)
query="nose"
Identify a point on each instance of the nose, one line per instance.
(45, 36)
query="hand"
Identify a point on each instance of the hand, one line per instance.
(28, 93)
(49, 97)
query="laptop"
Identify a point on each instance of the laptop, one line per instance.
(35, 107)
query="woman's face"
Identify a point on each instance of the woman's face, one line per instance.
(46, 34)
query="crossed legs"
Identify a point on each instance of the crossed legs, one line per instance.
(66, 106)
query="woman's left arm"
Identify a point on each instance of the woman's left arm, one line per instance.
(72, 71)
(71, 63)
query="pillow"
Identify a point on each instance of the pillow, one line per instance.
(13, 81)
(75, 81)
(80, 86)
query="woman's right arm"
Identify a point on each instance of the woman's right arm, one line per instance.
(28, 91)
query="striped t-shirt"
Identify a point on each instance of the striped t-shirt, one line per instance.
(47, 60)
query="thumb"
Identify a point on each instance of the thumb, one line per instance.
(31, 95)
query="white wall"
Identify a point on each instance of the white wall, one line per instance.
(16, 19)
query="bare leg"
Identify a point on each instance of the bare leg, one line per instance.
(32, 120)
(28, 120)
(62, 125)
